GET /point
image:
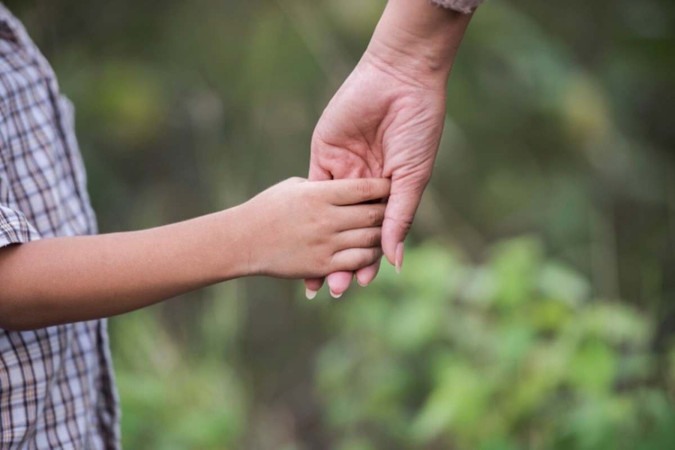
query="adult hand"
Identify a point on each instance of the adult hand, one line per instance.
(387, 119)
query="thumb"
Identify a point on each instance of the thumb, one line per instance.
(401, 207)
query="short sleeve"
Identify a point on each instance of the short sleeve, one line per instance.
(15, 228)
(463, 6)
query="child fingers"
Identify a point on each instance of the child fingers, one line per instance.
(292, 180)
(355, 191)
(354, 259)
(360, 238)
(360, 216)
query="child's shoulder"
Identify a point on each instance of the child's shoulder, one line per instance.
(23, 70)
(17, 50)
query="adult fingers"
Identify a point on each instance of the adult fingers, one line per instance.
(366, 275)
(339, 282)
(399, 215)
(312, 287)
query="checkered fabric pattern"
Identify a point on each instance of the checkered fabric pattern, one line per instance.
(463, 6)
(56, 384)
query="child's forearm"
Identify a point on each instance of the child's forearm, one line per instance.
(60, 280)
(294, 229)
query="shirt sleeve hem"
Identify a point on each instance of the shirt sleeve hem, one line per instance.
(17, 232)
(462, 6)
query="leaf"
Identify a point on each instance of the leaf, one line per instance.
(593, 367)
(516, 264)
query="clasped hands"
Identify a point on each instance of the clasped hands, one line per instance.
(387, 119)
(380, 124)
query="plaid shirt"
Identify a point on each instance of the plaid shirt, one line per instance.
(463, 6)
(56, 384)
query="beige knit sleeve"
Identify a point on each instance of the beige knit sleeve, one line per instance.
(463, 6)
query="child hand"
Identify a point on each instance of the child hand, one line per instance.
(302, 229)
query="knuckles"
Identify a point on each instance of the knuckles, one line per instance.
(367, 257)
(364, 258)
(364, 188)
(375, 216)
(374, 239)
(405, 223)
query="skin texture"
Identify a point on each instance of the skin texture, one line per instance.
(387, 119)
(295, 229)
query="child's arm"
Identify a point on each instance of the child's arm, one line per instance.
(294, 229)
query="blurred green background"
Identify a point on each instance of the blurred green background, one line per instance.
(536, 306)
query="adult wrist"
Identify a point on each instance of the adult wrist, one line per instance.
(418, 40)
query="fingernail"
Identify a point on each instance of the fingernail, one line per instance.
(399, 257)
(360, 283)
(310, 294)
(334, 295)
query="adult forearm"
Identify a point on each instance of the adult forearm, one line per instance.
(62, 280)
(418, 39)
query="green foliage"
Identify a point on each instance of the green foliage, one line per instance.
(197, 401)
(559, 123)
(511, 353)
